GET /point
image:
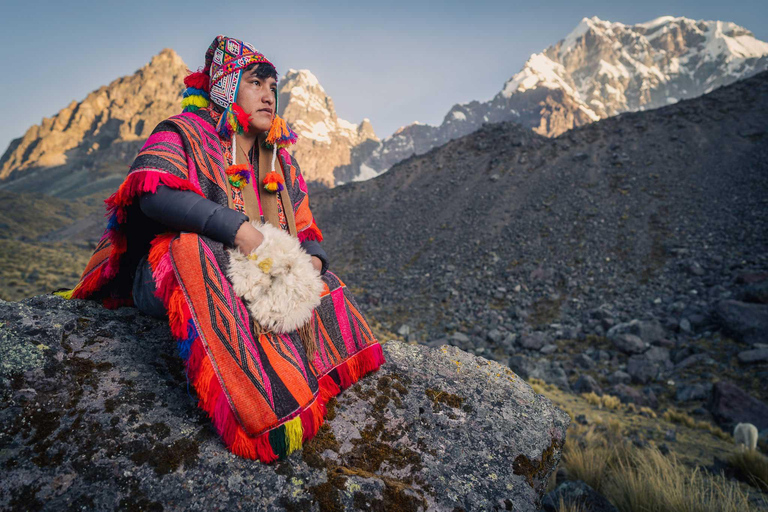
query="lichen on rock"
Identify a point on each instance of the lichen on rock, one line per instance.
(103, 416)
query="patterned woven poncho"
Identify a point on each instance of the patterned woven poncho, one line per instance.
(264, 397)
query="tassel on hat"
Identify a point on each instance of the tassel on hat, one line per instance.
(280, 136)
(196, 94)
(233, 120)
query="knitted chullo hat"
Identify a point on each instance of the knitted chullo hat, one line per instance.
(219, 81)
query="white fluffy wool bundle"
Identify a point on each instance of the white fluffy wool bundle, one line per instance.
(277, 281)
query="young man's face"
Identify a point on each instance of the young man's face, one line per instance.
(257, 97)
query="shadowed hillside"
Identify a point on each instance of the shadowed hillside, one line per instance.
(619, 210)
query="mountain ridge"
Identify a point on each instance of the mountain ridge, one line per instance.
(88, 146)
(599, 69)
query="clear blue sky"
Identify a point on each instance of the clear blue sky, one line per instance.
(392, 61)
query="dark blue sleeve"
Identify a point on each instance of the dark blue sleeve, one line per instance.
(185, 210)
(313, 249)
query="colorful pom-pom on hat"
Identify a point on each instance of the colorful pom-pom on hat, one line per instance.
(195, 96)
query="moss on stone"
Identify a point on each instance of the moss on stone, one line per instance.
(400, 388)
(406, 380)
(536, 470)
(313, 449)
(437, 396)
(158, 431)
(164, 458)
(330, 409)
(327, 494)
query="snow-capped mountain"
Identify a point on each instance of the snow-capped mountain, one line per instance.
(325, 140)
(598, 70)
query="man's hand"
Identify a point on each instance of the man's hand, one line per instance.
(317, 263)
(248, 238)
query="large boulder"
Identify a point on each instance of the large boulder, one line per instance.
(96, 414)
(744, 321)
(755, 289)
(729, 404)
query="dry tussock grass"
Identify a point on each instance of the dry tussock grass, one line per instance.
(682, 418)
(647, 480)
(605, 401)
(571, 507)
(636, 480)
(753, 467)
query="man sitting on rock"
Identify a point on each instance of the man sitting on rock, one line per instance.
(212, 227)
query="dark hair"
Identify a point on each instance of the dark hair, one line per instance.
(263, 70)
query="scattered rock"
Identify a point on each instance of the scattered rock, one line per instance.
(534, 341)
(688, 393)
(628, 394)
(756, 292)
(647, 330)
(754, 356)
(549, 348)
(587, 384)
(629, 343)
(642, 369)
(459, 337)
(584, 361)
(620, 377)
(660, 356)
(550, 372)
(694, 359)
(495, 336)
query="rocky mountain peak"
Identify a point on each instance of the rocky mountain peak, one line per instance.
(304, 100)
(166, 57)
(103, 130)
(326, 141)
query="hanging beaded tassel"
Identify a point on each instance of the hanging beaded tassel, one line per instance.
(238, 174)
(280, 136)
(234, 120)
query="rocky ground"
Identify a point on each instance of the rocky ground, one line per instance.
(96, 415)
(627, 257)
